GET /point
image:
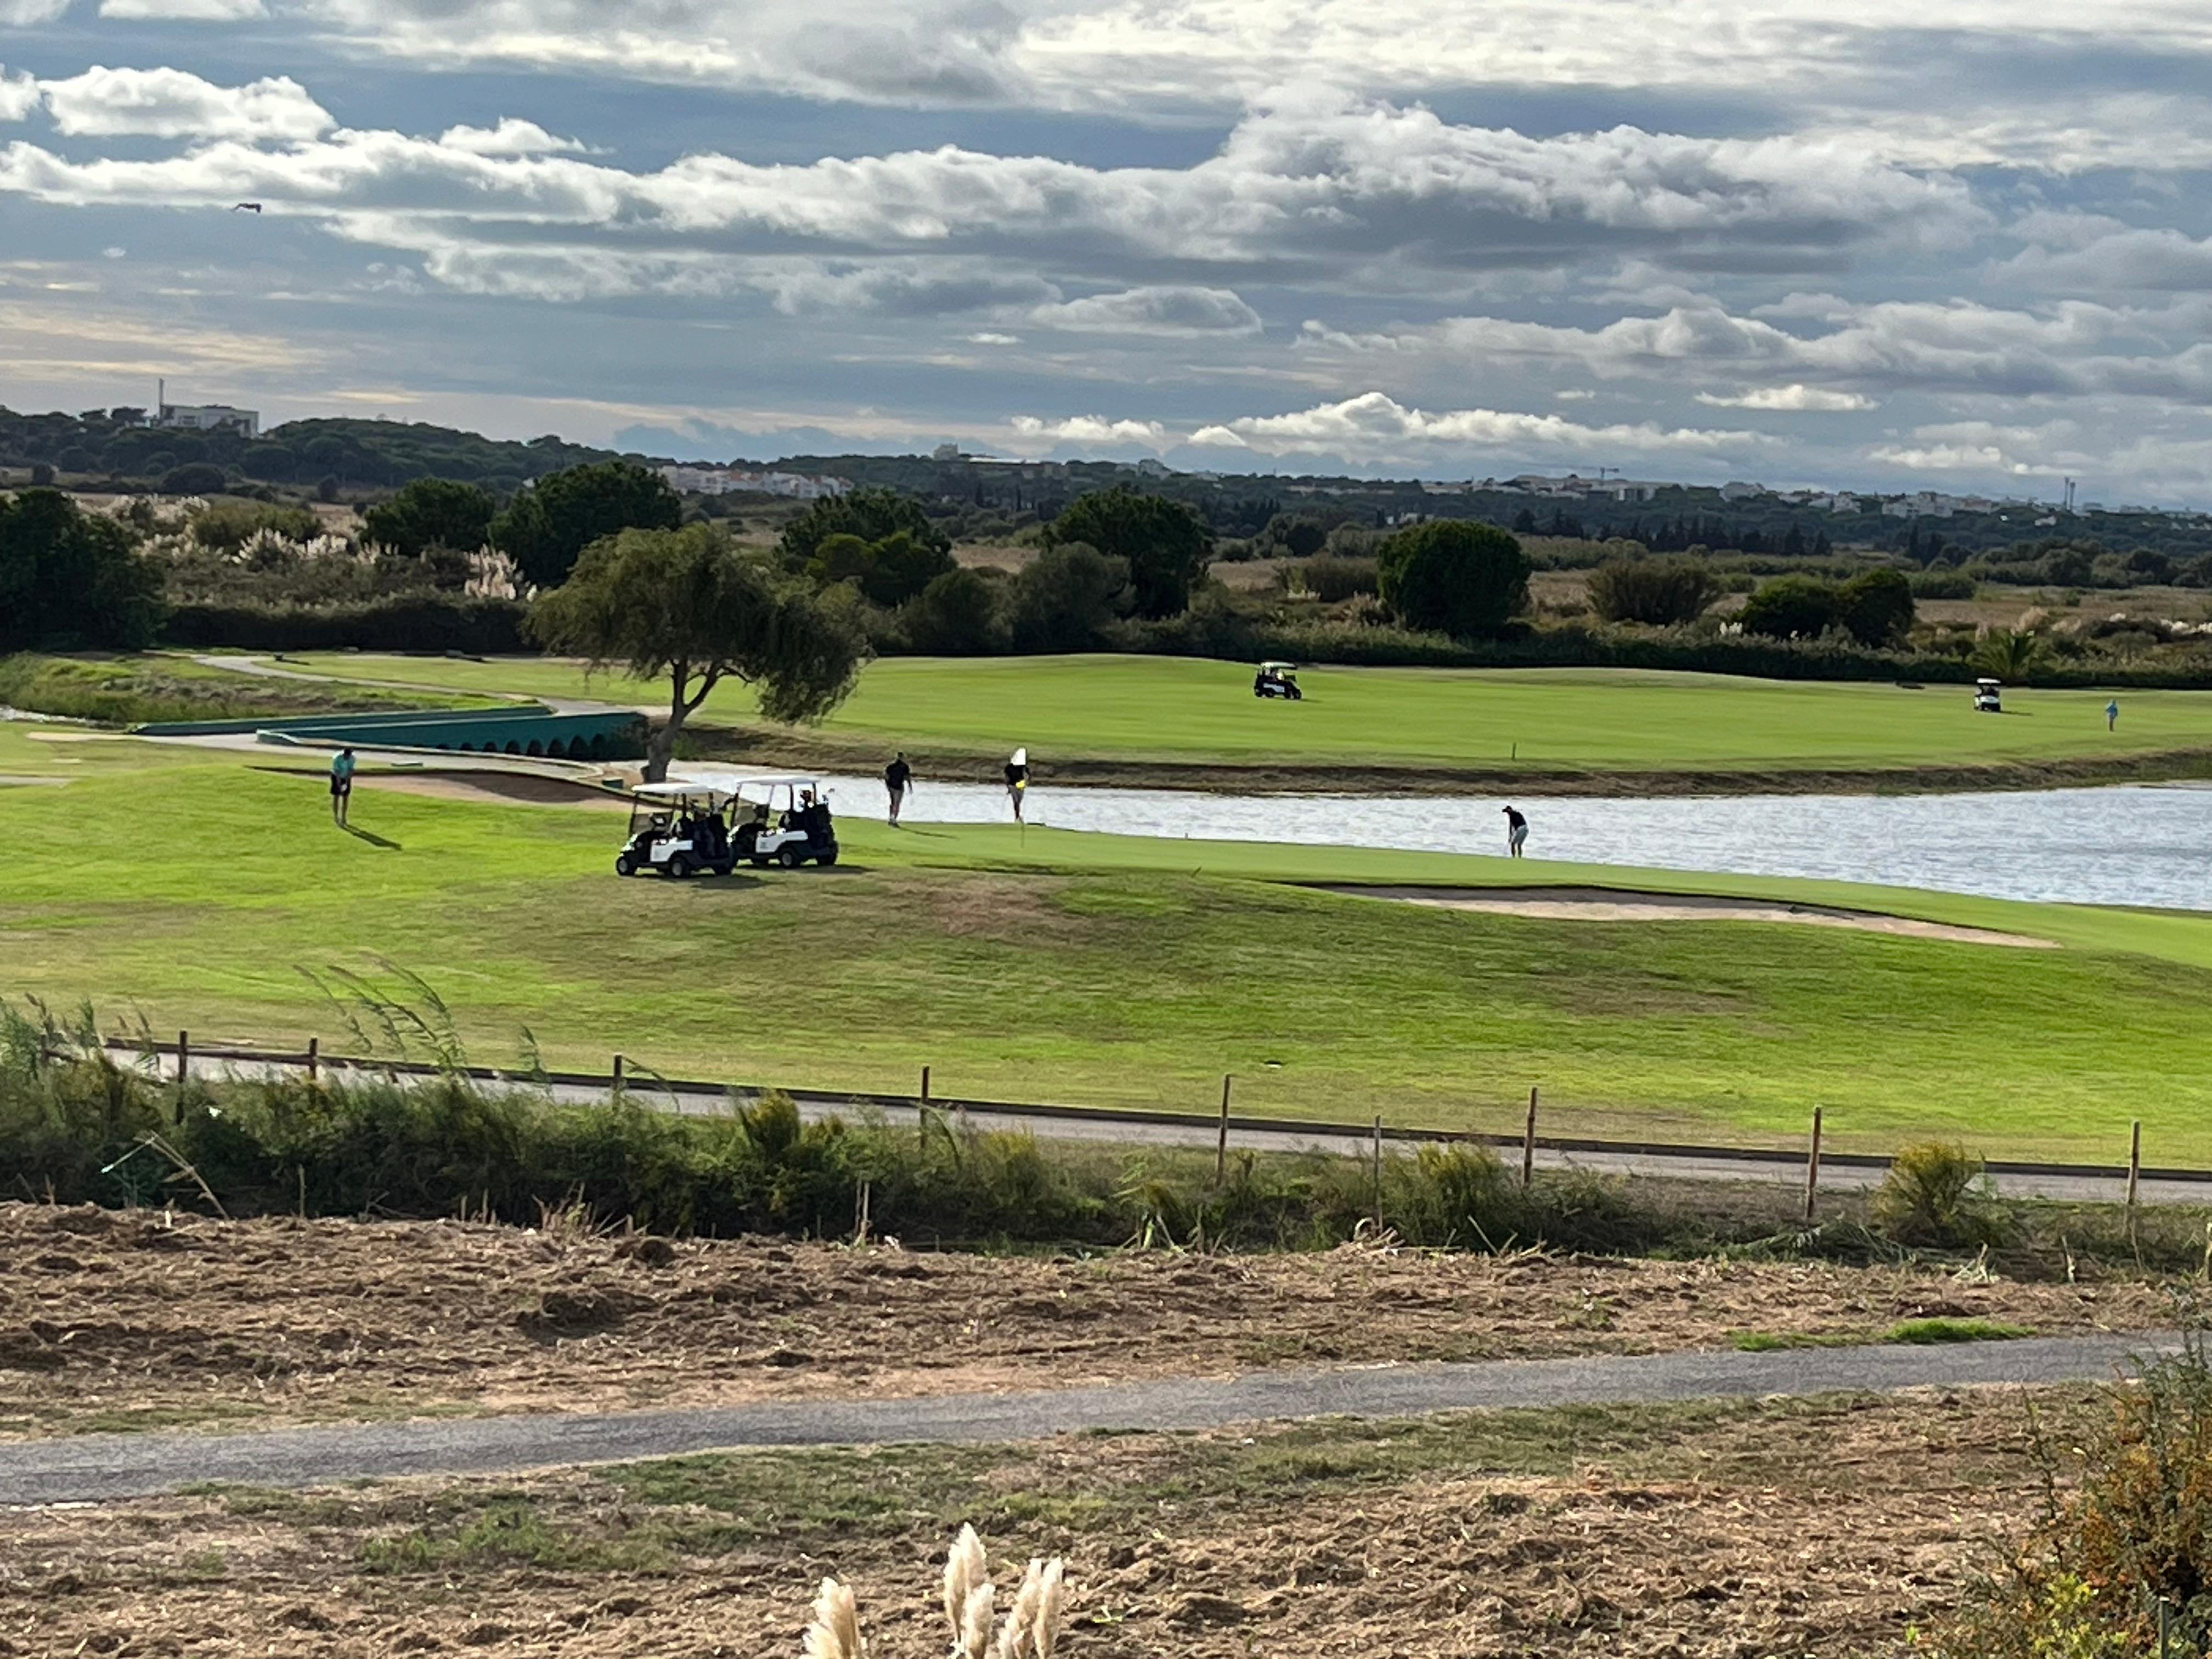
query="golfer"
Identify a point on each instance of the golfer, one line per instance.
(898, 778)
(1018, 779)
(1516, 832)
(2111, 713)
(341, 785)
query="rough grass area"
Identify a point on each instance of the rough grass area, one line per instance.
(1521, 724)
(1708, 1531)
(135, 690)
(287, 1321)
(1096, 970)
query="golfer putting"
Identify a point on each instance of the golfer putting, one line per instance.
(1516, 832)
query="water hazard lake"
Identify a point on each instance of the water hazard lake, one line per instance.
(2129, 846)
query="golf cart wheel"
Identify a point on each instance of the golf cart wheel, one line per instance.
(625, 865)
(791, 858)
(827, 858)
(757, 861)
(680, 867)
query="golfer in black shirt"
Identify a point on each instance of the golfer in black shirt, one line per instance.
(898, 777)
(1516, 832)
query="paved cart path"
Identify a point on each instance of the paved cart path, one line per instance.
(90, 1468)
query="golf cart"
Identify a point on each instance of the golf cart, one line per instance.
(677, 830)
(1278, 679)
(1986, 700)
(784, 821)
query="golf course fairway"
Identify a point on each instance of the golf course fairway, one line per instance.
(1572, 724)
(201, 890)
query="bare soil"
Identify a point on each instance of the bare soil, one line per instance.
(140, 1319)
(1825, 1529)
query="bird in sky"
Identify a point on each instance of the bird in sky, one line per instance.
(247, 207)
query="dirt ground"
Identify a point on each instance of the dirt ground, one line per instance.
(1826, 1529)
(140, 1319)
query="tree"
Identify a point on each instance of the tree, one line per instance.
(1165, 545)
(1662, 591)
(888, 573)
(955, 616)
(1454, 575)
(547, 527)
(431, 513)
(70, 579)
(194, 478)
(1876, 607)
(686, 607)
(2006, 653)
(871, 513)
(1790, 607)
(1066, 597)
(1299, 537)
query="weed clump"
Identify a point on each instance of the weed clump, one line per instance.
(1935, 1197)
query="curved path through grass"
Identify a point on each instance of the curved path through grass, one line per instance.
(90, 1469)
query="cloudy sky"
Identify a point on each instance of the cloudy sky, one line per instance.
(1893, 244)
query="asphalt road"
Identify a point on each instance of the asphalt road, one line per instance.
(1199, 1133)
(92, 1468)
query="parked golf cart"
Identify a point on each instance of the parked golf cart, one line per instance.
(784, 821)
(1278, 679)
(677, 830)
(1986, 698)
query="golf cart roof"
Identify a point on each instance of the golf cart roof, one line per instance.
(656, 794)
(1985, 681)
(1279, 667)
(781, 779)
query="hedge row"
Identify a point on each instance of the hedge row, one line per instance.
(404, 622)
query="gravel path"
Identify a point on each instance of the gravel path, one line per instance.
(91, 1468)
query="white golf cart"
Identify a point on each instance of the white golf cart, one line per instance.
(677, 830)
(784, 820)
(1278, 679)
(1987, 700)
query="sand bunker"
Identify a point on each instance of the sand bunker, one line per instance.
(1608, 904)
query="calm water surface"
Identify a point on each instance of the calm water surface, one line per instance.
(2133, 846)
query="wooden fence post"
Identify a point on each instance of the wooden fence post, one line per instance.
(1812, 1166)
(925, 1086)
(184, 1069)
(1221, 1140)
(1379, 1172)
(1528, 1144)
(2135, 1161)
(314, 1060)
(620, 1068)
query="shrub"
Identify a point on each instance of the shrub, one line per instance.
(228, 525)
(1933, 1196)
(1455, 576)
(1660, 590)
(1067, 597)
(2008, 653)
(1333, 578)
(1875, 607)
(955, 616)
(1790, 608)
(195, 478)
(1943, 585)
(41, 475)
(407, 621)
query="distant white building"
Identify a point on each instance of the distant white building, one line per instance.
(208, 418)
(726, 480)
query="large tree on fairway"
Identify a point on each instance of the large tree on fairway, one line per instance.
(1454, 575)
(1167, 546)
(686, 607)
(432, 513)
(546, 527)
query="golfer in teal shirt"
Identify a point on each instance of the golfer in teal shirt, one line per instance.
(341, 785)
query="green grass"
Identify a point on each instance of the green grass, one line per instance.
(1198, 712)
(1918, 1332)
(1097, 969)
(147, 689)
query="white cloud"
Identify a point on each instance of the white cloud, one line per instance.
(510, 137)
(19, 95)
(1089, 429)
(1374, 427)
(23, 14)
(187, 11)
(1173, 311)
(1793, 396)
(990, 338)
(167, 103)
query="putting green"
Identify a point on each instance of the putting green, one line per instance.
(1191, 711)
(1097, 969)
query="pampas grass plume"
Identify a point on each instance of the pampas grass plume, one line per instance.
(964, 1569)
(836, 1631)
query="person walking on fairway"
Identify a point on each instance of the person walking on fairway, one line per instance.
(341, 785)
(1017, 780)
(2112, 714)
(1516, 832)
(898, 777)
